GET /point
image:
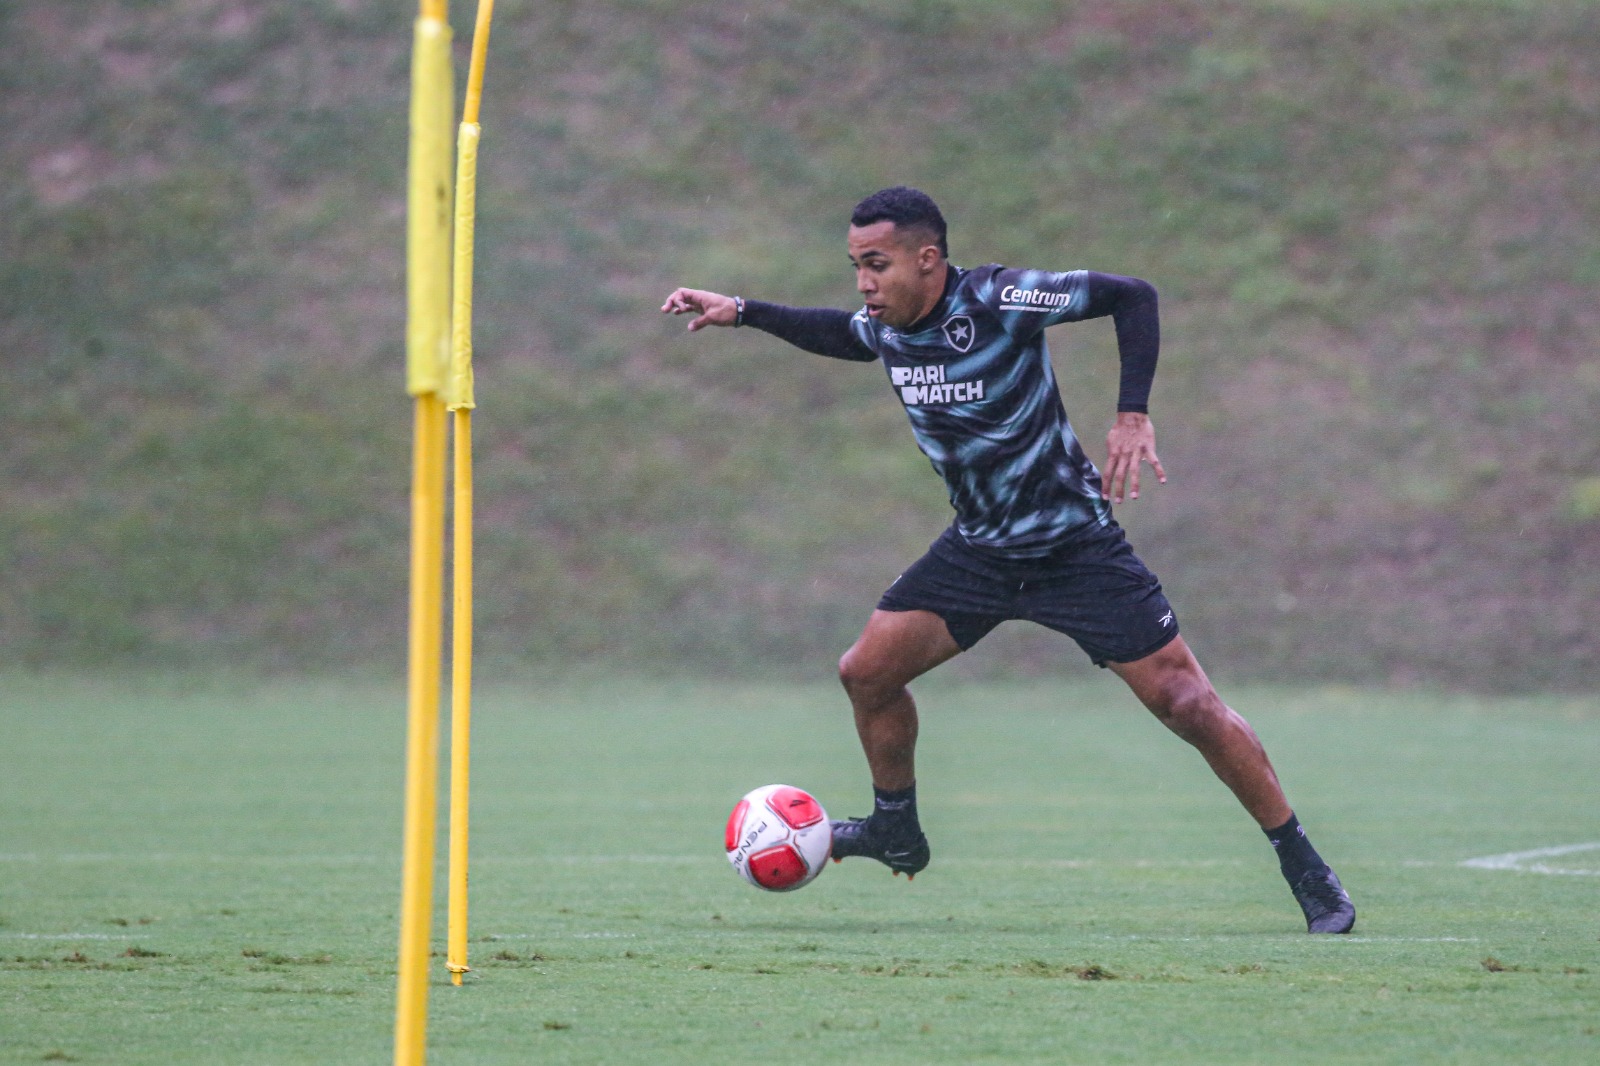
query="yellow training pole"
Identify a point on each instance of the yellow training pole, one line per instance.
(461, 401)
(460, 700)
(427, 348)
(422, 741)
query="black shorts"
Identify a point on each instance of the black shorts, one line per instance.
(1096, 591)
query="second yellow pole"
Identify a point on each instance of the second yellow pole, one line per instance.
(460, 699)
(461, 401)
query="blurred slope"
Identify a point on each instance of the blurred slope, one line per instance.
(1372, 226)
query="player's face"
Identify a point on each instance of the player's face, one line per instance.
(896, 274)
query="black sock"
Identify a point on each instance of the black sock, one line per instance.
(896, 809)
(1296, 856)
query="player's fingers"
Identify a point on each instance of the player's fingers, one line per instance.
(1133, 480)
(682, 301)
(699, 323)
(1116, 478)
(1155, 464)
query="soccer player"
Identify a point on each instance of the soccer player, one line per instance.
(1033, 536)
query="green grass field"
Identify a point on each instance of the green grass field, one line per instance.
(199, 871)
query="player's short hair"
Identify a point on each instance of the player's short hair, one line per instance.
(907, 208)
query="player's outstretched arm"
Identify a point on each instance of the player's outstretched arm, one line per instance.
(821, 330)
(1131, 442)
(712, 308)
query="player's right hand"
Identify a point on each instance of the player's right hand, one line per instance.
(1131, 441)
(713, 308)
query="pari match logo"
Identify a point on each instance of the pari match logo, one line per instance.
(920, 385)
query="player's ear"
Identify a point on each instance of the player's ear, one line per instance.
(928, 258)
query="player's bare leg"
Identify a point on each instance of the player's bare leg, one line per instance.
(894, 648)
(1171, 684)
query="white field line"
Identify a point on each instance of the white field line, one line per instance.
(1299, 938)
(631, 936)
(69, 936)
(1520, 861)
(1294, 938)
(90, 857)
(490, 937)
(1399, 939)
(1524, 861)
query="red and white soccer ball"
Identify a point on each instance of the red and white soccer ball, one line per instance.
(778, 838)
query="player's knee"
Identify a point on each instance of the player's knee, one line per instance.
(865, 683)
(853, 673)
(1192, 710)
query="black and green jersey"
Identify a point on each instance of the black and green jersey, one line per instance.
(975, 379)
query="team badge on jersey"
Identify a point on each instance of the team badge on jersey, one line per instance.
(959, 332)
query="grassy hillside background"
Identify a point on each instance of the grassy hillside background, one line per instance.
(1372, 225)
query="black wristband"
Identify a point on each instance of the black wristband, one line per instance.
(738, 311)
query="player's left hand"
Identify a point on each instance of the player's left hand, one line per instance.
(1131, 442)
(713, 308)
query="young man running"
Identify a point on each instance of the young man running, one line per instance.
(1033, 536)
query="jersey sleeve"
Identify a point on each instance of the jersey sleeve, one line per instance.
(820, 330)
(1028, 301)
(1132, 305)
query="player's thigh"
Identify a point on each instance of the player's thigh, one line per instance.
(897, 646)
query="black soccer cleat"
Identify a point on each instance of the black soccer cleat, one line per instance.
(1323, 899)
(905, 854)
